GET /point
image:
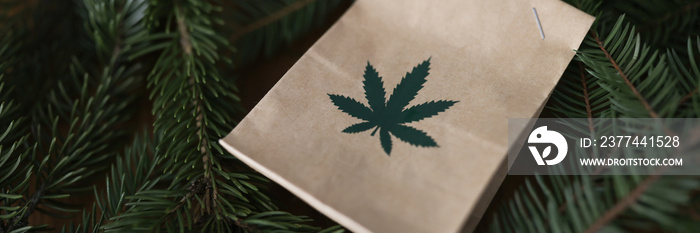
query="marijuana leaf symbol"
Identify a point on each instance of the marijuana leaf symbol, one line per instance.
(391, 116)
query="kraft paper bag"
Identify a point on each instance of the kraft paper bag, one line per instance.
(396, 120)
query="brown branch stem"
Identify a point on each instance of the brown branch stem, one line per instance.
(586, 98)
(623, 204)
(631, 197)
(186, 43)
(589, 113)
(21, 220)
(210, 193)
(185, 40)
(644, 102)
(240, 32)
(241, 224)
(688, 96)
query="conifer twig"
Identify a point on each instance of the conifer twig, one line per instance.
(688, 96)
(623, 204)
(21, 220)
(641, 98)
(281, 13)
(186, 43)
(586, 98)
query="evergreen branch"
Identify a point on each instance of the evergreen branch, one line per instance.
(261, 28)
(39, 116)
(249, 228)
(21, 220)
(277, 221)
(130, 173)
(589, 113)
(91, 117)
(634, 90)
(622, 204)
(271, 18)
(689, 74)
(186, 43)
(586, 98)
(193, 48)
(688, 96)
(74, 123)
(580, 96)
(184, 34)
(192, 105)
(75, 155)
(11, 155)
(623, 70)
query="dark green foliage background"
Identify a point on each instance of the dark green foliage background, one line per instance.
(74, 75)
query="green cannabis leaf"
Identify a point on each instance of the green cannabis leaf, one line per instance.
(391, 116)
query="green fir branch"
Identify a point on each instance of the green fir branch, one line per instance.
(15, 177)
(73, 125)
(201, 187)
(132, 171)
(95, 54)
(623, 78)
(260, 29)
(663, 24)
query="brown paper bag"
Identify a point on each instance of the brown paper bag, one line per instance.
(463, 67)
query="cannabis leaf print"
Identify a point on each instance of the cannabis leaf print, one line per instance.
(390, 117)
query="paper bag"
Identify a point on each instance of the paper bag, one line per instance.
(396, 119)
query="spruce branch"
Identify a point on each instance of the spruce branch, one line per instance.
(631, 86)
(132, 171)
(688, 70)
(192, 105)
(14, 178)
(688, 96)
(260, 29)
(75, 129)
(184, 34)
(211, 192)
(80, 112)
(623, 204)
(270, 18)
(586, 98)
